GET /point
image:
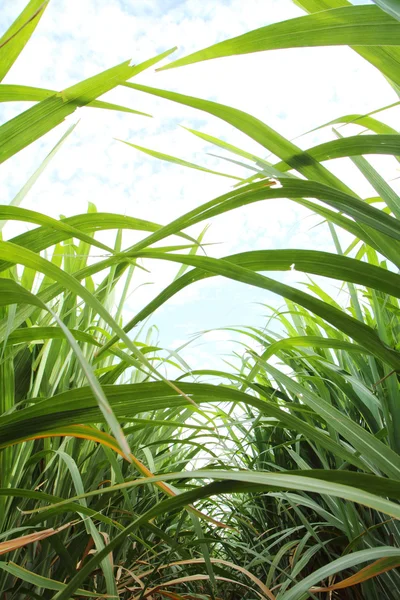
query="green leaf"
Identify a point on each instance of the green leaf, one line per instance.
(385, 191)
(313, 262)
(363, 121)
(14, 292)
(392, 7)
(27, 127)
(17, 35)
(332, 482)
(361, 333)
(356, 145)
(45, 237)
(177, 161)
(384, 58)
(79, 406)
(254, 128)
(340, 564)
(106, 566)
(16, 201)
(40, 581)
(15, 213)
(373, 449)
(309, 341)
(192, 252)
(350, 26)
(39, 334)
(25, 93)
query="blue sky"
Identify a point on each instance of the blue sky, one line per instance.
(292, 91)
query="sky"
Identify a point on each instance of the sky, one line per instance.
(291, 90)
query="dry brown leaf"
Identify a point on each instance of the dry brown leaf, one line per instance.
(16, 543)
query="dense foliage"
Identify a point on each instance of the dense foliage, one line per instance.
(280, 479)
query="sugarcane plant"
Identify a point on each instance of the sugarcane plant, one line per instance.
(276, 478)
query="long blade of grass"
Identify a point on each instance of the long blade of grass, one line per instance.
(79, 406)
(22, 130)
(42, 582)
(16, 201)
(350, 25)
(364, 442)
(390, 6)
(178, 161)
(255, 129)
(340, 564)
(380, 566)
(16, 213)
(25, 93)
(13, 41)
(384, 58)
(15, 291)
(360, 332)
